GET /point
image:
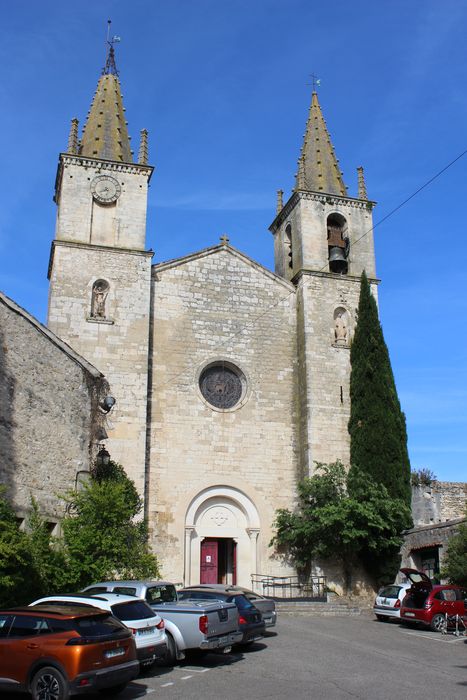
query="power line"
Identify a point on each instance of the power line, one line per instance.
(284, 298)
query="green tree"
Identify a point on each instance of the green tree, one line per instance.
(378, 436)
(455, 562)
(17, 571)
(102, 536)
(331, 524)
(47, 554)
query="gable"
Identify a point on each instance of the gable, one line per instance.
(229, 254)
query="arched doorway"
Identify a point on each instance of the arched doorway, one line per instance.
(221, 537)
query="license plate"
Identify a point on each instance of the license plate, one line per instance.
(114, 652)
(410, 614)
(146, 630)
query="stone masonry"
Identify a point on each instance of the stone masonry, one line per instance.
(49, 412)
(213, 306)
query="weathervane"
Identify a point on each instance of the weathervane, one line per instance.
(316, 82)
(110, 65)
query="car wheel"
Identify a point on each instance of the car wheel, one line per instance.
(438, 623)
(382, 618)
(49, 684)
(113, 690)
(171, 654)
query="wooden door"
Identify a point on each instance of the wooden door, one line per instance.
(209, 558)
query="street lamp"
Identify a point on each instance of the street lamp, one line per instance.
(102, 457)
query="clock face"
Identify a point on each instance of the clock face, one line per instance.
(105, 189)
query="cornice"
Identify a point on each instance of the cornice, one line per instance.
(99, 164)
(331, 275)
(89, 246)
(323, 198)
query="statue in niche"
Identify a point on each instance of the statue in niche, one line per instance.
(100, 290)
(341, 333)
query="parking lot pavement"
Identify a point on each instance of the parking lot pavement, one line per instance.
(317, 658)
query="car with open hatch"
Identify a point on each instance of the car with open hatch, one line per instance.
(388, 601)
(56, 651)
(266, 606)
(250, 620)
(432, 605)
(146, 625)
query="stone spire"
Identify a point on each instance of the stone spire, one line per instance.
(319, 169)
(143, 148)
(362, 193)
(105, 134)
(280, 201)
(73, 142)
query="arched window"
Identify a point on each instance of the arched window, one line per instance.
(288, 244)
(338, 244)
(100, 291)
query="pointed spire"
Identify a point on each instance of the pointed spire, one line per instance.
(73, 142)
(143, 148)
(280, 201)
(362, 193)
(319, 169)
(105, 134)
(110, 67)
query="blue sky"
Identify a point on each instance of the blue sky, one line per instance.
(223, 87)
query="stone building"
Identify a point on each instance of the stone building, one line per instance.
(231, 380)
(437, 509)
(50, 413)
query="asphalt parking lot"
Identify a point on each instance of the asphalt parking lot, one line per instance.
(320, 658)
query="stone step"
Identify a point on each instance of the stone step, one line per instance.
(321, 609)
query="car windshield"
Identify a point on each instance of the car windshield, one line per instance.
(97, 626)
(133, 610)
(124, 590)
(95, 590)
(161, 594)
(200, 595)
(390, 592)
(240, 601)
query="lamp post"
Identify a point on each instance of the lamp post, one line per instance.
(102, 457)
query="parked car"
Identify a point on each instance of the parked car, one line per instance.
(266, 606)
(431, 605)
(191, 626)
(53, 651)
(389, 600)
(146, 625)
(250, 621)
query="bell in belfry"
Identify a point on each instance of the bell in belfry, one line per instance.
(338, 260)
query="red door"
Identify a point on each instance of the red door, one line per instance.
(208, 572)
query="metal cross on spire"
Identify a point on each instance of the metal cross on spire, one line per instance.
(110, 67)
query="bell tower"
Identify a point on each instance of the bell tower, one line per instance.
(99, 270)
(323, 240)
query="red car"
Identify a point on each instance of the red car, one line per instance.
(432, 605)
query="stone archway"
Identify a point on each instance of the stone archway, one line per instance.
(222, 512)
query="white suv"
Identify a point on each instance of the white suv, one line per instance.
(147, 626)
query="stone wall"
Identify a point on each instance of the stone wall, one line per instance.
(116, 342)
(439, 502)
(49, 412)
(219, 305)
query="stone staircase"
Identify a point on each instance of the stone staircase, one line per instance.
(343, 608)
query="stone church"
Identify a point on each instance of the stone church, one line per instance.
(230, 380)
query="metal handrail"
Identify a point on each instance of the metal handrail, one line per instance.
(289, 587)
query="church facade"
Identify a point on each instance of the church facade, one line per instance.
(231, 380)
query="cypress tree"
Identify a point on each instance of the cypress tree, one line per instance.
(378, 435)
